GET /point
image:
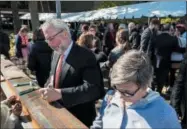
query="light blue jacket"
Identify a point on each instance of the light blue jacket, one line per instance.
(150, 112)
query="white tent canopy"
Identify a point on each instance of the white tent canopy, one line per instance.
(149, 9)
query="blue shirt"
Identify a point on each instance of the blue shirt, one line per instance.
(66, 53)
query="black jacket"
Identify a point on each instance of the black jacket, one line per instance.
(4, 44)
(163, 46)
(134, 39)
(39, 60)
(99, 55)
(178, 95)
(109, 40)
(81, 83)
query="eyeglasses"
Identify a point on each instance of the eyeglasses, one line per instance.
(91, 30)
(52, 37)
(125, 93)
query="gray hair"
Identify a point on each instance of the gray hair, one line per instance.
(131, 24)
(134, 66)
(57, 24)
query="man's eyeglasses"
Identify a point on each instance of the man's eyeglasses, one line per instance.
(91, 30)
(125, 93)
(52, 37)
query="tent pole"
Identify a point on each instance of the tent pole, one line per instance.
(148, 20)
(28, 24)
(58, 9)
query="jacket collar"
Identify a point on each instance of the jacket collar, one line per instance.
(151, 96)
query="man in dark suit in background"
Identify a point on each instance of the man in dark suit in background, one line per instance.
(75, 80)
(163, 45)
(134, 36)
(148, 36)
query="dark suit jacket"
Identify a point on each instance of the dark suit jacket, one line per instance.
(163, 47)
(147, 39)
(179, 91)
(134, 39)
(81, 83)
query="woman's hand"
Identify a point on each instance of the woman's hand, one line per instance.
(17, 108)
(12, 100)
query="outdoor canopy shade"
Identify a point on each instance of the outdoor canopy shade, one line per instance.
(149, 9)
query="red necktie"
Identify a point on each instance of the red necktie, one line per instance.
(58, 70)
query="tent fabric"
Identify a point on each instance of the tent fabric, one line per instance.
(149, 9)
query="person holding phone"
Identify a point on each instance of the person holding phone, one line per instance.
(132, 104)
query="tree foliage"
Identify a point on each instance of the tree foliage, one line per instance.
(169, 20)
(108, 4)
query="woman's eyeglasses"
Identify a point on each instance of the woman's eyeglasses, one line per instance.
(125, 93)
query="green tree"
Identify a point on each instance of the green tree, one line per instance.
(108, 4)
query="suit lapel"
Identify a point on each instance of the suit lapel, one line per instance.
(55, 62)
(64, 72)
(67, 64)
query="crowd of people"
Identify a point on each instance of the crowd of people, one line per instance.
(139, 60)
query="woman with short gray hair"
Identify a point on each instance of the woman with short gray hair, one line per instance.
(132, 104)
(132, 67)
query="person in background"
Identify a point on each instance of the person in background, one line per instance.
(101, 29)
(180, 30)
(84, 29)
(148, 36)
(178, 95)
(132, 104)
(178, 56)
(123, 26)
(172, 30)
(134, 36)
(145, 26)
(72, 31)
(75, 79)
(94, 31)
(139, 28)
(122, 46)
(39, 60)
(164, 44)
(87, 41)
(11, 109)
(4, 44)
(21, 43)
(109, 39)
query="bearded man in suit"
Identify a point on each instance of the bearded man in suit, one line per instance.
(75, 78)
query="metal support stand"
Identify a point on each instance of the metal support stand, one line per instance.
(58, 9)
